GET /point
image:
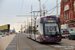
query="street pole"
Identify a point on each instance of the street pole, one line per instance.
(40, 7)
(57, 8)
(34, 23)
(27, 24)
(43, 10)
(31, 19)
(21, 28)
(31, 13)
(35, 17)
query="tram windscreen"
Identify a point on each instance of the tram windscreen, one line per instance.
(51, 28)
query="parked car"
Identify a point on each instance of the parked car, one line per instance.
(64, 33)
(71, 35)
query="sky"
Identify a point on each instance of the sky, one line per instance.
(9, 9)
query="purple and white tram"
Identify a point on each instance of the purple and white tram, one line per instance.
(47, 30)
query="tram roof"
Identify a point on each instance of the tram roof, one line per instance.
(50, 17)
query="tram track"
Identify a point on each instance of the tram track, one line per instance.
(17, 43)
(52, 45)
(30, 45)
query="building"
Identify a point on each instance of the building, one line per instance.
(4, 29)
(67, 14)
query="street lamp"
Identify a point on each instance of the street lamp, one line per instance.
(57, 8)
(40, 6)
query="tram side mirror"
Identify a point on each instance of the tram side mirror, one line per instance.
(37, 25)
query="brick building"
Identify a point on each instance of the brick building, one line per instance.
(67, 14)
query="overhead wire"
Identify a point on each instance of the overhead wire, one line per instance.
(21, 6)
(45, 2)
(52, 11)
(52, 8)
(55, 7)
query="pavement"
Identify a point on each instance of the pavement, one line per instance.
(5, 41)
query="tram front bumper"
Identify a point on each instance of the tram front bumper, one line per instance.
(51, 39)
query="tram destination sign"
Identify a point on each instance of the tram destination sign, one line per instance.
(49, 21)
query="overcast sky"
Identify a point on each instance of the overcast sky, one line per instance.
(10, 8)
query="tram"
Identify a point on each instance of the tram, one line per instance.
(46, 29)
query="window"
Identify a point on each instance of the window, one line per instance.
(69, 15)
(74, 7)
(64, 16)
(51, 28)
(74, 4)
(71, 29)
(41, 28)
(70, 5)
(66, 7)
(64, 0)
(74, 12)
(65, 31)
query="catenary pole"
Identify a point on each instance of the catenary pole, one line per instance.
(57, 8)
(40, 7)
(31, 18)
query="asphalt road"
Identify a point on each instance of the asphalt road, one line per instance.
(21, 42)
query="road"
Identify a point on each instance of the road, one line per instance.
(21, 42)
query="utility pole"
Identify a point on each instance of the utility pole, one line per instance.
(31, 18)
(21, 28)
(34, 22)
(27, 21)
(43, 10)
(35, 17)
(31, 13)
(57, 8)
(27, 24)
(40, 7)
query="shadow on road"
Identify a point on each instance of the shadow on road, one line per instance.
(50, 43)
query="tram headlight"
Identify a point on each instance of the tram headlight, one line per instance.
(58, 36)
(46, 36)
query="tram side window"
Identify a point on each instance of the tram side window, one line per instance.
(41, 28)
(37, 32)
